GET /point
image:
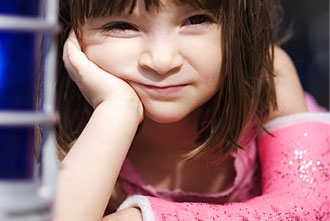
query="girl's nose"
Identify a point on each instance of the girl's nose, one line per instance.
(161, 57)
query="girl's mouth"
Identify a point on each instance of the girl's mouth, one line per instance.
(165, 90)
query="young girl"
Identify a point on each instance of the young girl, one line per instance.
(164, 105)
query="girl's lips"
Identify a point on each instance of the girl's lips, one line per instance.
(166, 90)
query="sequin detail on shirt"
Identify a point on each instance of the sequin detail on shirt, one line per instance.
(306, 167)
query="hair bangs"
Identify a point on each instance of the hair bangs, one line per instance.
(85, 9)
(212, 6)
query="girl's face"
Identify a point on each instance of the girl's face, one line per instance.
(170, 56)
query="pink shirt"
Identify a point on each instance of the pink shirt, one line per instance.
(244, 186)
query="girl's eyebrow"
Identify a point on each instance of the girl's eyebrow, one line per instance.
(176, 8)
(104, 19)
(98, 22)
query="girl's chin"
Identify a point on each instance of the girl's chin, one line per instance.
(164, 118)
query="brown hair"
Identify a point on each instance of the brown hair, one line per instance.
(246, 94)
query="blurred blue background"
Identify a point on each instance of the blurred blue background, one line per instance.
(19, 60)
(309, 45)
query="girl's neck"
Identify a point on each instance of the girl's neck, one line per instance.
(158, 140)
(155, 154)
(156, 151)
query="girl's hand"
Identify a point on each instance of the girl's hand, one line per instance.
(132, 214)
(95, 84)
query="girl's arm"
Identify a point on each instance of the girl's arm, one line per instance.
(289, 93)
(90, 169)
(295, 167)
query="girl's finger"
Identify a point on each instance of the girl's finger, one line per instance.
(73, 38)
(75, 60)
(66, 61)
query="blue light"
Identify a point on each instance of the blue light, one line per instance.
(2, 71)
(20, 56)
(30, 8)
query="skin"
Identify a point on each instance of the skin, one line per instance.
(112, 69)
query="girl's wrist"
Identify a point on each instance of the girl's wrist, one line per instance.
(127, 108)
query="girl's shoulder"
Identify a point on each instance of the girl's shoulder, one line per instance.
(289, 92)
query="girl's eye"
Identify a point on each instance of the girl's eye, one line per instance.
(119, 26)
(198, 19)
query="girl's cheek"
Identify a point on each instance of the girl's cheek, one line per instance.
(116, 58)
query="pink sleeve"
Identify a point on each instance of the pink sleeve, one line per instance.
(295, 182)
